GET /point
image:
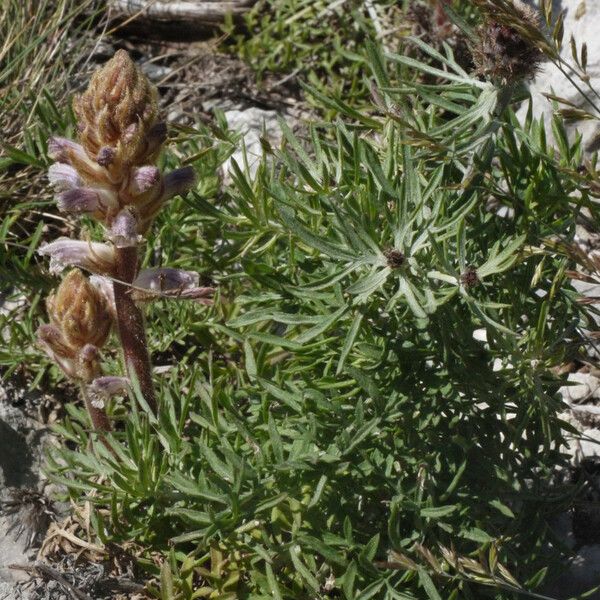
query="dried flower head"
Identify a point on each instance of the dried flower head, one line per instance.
(116, 113)
(510, 41)
(79, 311)
(469, 278)
(30, 513)
(395, 258)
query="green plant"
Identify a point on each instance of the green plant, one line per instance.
(312, 40)
(369, 409)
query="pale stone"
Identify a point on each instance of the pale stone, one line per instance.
(581, 21)
(253, 123)
(583, 387)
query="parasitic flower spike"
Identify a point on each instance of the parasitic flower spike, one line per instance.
(110, 176)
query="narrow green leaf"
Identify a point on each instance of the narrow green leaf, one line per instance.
(349, 341)
(428, 585)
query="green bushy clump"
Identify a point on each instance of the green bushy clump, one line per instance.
(314, 40)
(369, 410)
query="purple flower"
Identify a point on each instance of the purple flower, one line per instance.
(91, 256)
(144, 179)
(156, 137)
(103, 388)
(67, 151)
(105, 157)
(88, 363)
(165, 278)
(124, 229)
(170, 283)
(50, 337)
(62, 149)
(51, 340)
(88, 201)
(178, 181)
(63, 176)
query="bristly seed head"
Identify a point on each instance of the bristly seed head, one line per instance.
(111, 168)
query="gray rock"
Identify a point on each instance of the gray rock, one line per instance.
(253, 123)
(584, 387)
(156, 72)
(15, 456)
(21, 446)
(13, 552)
(589, 444)
(22, 442)
(10, 591)
(582, 575)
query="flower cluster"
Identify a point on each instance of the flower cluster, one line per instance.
(79, 326)
(111, 176)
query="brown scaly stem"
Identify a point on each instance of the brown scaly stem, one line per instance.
(130, 324)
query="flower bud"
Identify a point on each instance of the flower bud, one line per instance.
(143, 180)
(106, 156)
(165, 278)
(78, 310)
(171, 283)
(105, 286)
(51, 340)
(124, 229)
(155, 138)
(103, 388)
(51, 337)
(88, 363)
(176, 182)
(67, 151)
(117, 110)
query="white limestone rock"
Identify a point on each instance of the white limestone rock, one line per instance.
(253, 123)
(582, 388)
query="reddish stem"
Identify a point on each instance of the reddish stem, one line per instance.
(130, 322)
